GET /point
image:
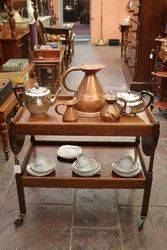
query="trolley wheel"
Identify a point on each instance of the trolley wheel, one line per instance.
(141, 224)
(19, 221)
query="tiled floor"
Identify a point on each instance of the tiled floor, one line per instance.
(60, 219)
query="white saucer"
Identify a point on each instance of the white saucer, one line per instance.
(43, 167)
(88, 173)
(69, 151)
(31, 172)
(127, 175)
(125, 165)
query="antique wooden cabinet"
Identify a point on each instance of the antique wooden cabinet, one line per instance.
(15, 43)
(147, 20)
(16, 47)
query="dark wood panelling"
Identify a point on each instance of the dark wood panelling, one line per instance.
(147, 22)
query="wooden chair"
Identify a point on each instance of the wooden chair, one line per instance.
(43, 38)
(66, 37)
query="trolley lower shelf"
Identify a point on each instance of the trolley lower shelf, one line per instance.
(64, 177)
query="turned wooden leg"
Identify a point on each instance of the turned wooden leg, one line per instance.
(4, 135)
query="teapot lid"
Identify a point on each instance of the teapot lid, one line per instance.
(38, 91)
(128, 96)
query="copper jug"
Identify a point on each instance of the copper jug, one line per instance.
(112, 110)
(90, 94)
(70, 114)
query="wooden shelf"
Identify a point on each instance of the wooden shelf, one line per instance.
(63, 177)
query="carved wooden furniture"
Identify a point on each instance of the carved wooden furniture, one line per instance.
(159, 74)
(124, 38)
(147, 20)
(7, 107)
(161, 89)
(142, 127)
(15, 47)
(45, 7)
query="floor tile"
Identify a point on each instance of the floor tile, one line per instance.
(5, 181)
(96, 208)
(95, 239)
(9, 234)
(159, 220)
(47, 227)
(49, 195)
(131, 237)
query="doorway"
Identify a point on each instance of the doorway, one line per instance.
(78, 12)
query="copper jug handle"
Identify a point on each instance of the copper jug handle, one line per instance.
(65, 75)
(56, 108)
(122, 107)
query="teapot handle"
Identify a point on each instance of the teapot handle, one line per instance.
(16, 89)
(65, 75)
(56, 108)
(124, 105)
(151, 100)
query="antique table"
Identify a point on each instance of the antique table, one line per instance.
(143, 129)
(55, 64)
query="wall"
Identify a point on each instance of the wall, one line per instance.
(114, 11)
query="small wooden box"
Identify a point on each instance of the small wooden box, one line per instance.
(47, 52)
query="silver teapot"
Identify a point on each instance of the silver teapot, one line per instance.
(135, 102)
(37, 99)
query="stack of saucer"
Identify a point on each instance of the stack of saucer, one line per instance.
(126, 167)
(40, 166)
(86, 167)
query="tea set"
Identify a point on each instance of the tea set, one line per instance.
(83, 165)
(90, 100)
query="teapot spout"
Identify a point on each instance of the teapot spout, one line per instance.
(53, 100)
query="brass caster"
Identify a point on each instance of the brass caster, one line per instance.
(141, 223)
(19, 221)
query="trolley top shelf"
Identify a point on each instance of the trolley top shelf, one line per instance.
(142, 124)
